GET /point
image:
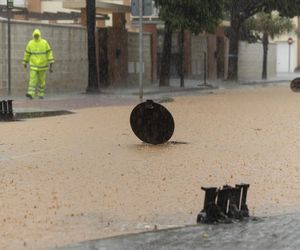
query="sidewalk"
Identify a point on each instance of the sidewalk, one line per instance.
(280, 232)
(199, 85)
(59, 103)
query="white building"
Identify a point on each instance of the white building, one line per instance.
(288, 51)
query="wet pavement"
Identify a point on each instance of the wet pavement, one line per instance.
(61, 104)
(279, 232)
(72, 101)
(64, 104)
(118, 96)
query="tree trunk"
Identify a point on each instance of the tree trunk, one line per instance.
(234, 49)
(166, 57)
(93, 86)
(181, 56)
(265, 55)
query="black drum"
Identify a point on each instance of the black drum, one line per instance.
(295, 85)
(152, 123)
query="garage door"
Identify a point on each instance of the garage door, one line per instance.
(284, 60)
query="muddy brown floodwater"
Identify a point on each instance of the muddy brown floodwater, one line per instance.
(85, 176)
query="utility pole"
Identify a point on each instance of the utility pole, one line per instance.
(141, 8)
(93, 86)
(10, 5)
(290, 42)
(141, 54)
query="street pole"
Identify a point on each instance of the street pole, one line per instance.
(9, 7)
(205, 68)
(93, 83)
(141, 51)
(289, 58)
(290, 42)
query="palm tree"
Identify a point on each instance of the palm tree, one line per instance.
(268, 25)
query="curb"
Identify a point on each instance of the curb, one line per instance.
(19, 115)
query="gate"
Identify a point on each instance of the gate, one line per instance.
(112, 56)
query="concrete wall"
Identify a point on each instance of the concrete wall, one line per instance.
(286, 57)
(69, 46)
(211, 57)
(199, 47)
(151, 29)
(251, 60)
(298, 45)
(283, 39)
(272, 61)
(133, 58)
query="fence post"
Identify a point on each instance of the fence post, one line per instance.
(205, 68)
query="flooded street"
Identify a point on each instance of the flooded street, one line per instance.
(59, 186)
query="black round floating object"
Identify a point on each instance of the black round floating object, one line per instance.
(152, 123)
(295, 84)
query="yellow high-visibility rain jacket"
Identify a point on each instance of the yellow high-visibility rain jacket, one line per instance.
(38, 53)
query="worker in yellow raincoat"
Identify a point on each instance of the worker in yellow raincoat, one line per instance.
(39, 55)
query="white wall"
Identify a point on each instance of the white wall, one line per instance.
(251, 60)
(283, 51)
(114, 1)
(53, 6)
(199, 47)
(286, 57)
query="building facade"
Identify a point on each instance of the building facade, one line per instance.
(288, 50)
